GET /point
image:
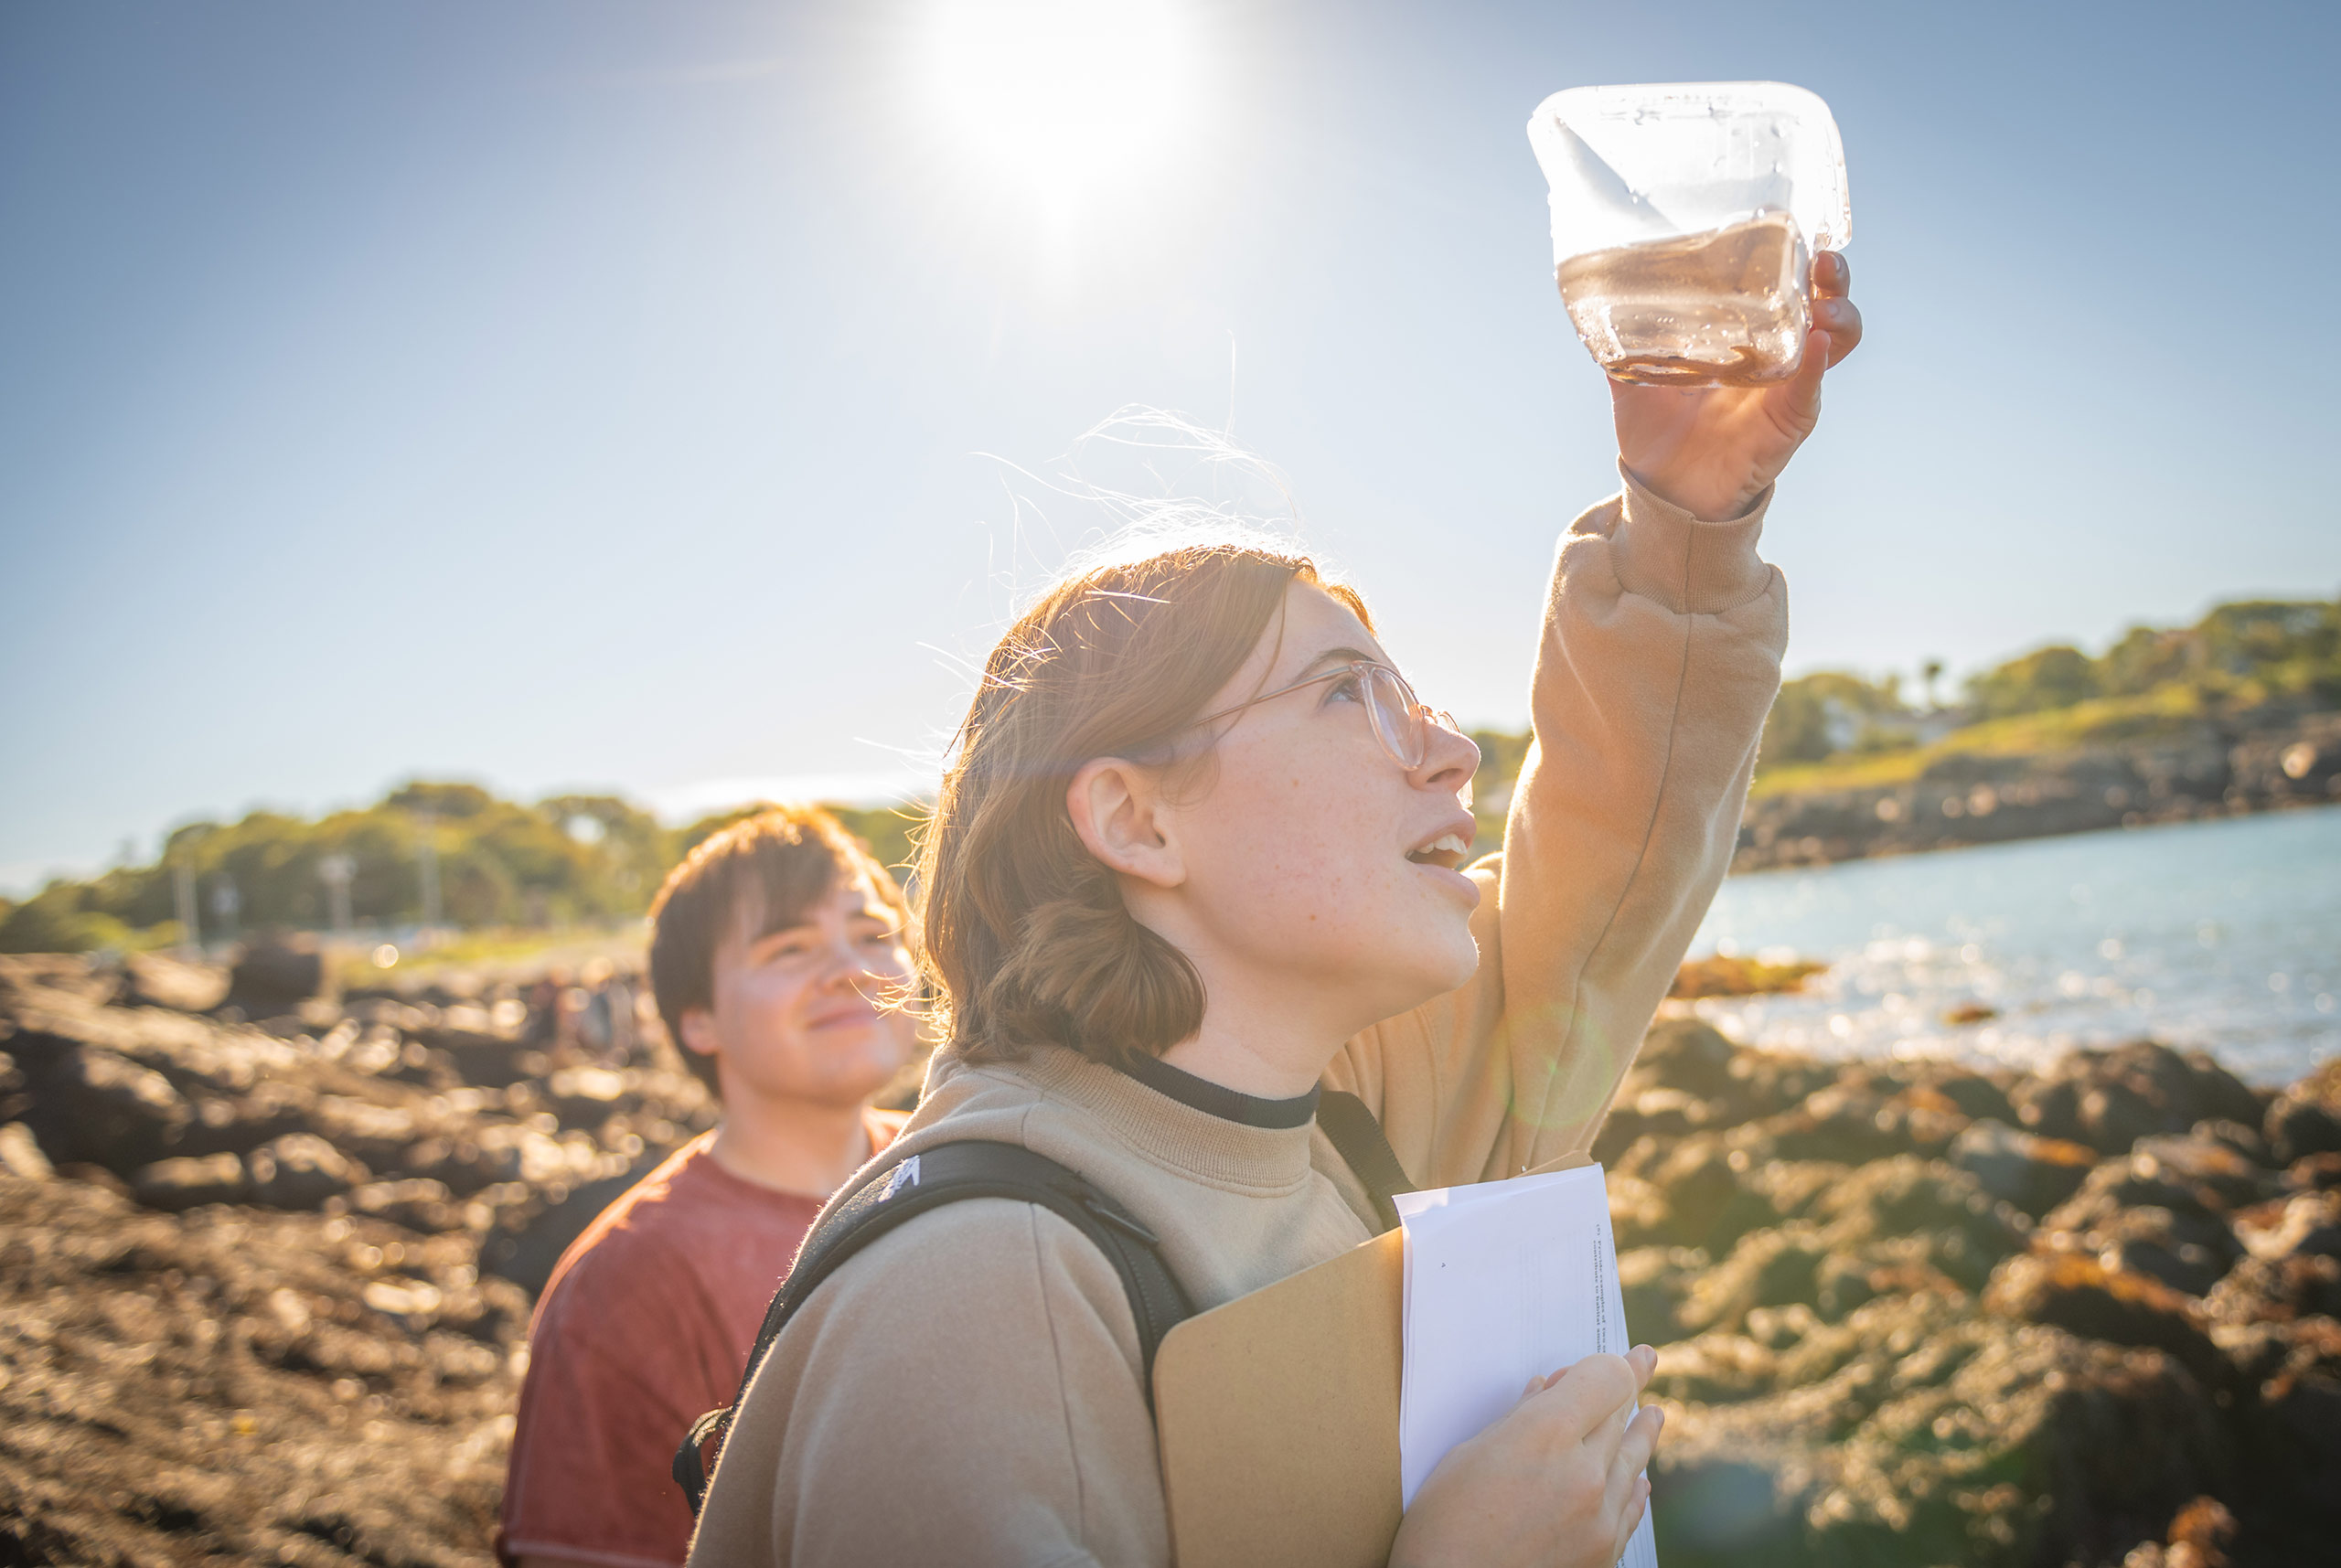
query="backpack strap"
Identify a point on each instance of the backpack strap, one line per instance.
(949, 1173)
(1358, 1138)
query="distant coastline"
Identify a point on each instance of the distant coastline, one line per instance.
(1959, 798)
(2237, 713)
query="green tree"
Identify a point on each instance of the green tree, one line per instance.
(58, 919)
(2146, 657)
(2056, 677)
(1829, 712)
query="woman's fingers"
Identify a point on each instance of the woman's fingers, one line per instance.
(1832, 275)
(1842, 320)
(1639, 1443)
(1625, 1486)
(1579, 1399)
(1643, 1360)
(1630, 1517)
(1604, 1439)
(1795, 404)
(1833, 313)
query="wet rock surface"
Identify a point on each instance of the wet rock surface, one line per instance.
(265, 1279)
(1911, 1313)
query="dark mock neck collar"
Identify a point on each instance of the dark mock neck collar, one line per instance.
(1217, 1100)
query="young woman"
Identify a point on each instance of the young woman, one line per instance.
(1200, 853)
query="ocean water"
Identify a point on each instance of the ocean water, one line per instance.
(2224, 935)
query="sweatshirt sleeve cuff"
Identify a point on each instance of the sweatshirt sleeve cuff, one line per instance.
(1664, 553)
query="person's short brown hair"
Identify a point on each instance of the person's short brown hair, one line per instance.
(749, 880)
(1024, 935)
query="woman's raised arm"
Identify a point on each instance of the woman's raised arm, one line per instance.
(1660, 655)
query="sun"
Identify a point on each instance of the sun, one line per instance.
(1060, 96)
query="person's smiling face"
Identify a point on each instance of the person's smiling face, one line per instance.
(1309, 852)
(811, 1009)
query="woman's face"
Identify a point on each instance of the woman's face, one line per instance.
(1311, 856)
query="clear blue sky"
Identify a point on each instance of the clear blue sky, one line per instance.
(578, 394)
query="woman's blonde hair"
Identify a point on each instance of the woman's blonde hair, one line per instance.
(1027, 939)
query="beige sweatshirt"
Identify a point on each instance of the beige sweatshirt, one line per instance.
(966, 1389)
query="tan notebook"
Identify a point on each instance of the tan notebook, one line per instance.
(1277, 1416)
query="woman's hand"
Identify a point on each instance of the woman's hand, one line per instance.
(1557, 1483)
(1712, 450)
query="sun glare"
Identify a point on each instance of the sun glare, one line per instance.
(1059, 95)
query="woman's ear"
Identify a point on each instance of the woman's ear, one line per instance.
(1119, 812)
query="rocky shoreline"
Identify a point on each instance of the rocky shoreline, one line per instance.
(1912, 1314)
(264, 1285)
(2212, 769)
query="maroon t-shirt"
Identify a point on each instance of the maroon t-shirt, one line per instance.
(645, 1325)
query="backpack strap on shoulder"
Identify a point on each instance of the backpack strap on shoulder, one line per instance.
(950, 1173)
(1358, 1138)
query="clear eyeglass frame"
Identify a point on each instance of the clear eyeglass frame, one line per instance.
(1397, 717)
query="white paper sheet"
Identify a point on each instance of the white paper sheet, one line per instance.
(1505, 1281)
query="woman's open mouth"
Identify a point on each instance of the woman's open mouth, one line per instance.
(1445, 851)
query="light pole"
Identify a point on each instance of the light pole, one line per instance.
(226, 901)
(183, 895)
(336, 870)
(426, 857)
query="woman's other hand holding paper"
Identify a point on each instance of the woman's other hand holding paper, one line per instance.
(1712, 450)
(1558, 1481)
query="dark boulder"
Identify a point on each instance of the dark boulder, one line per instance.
(2110, 1099)
(301, 1170)
(2313, 1172)
(1699, 1186)
(1916, 1432)
(21, 1155)
(2307, 1223)
(2208, 1166)
(1777, 1267)
(104, 1109)
(2244, 1138)
(58, 974)
(1908, 1196)
(367, 1130)
(1688, 1055)
(187, 1182)
(1846, 1121)
(2076, 1292)
(465, 1162)
(239, 1123)
(1923, 1120)
(527, 1256)
(1655, 1281)
(1975, 1096)
(2148, 1201)
(588, 1096)
(417, 1204)
(2033, 1173)
(2278, 1289)
(2306, 1119)
(158, 980)
(272, 975)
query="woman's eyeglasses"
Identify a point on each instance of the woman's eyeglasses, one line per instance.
(1399, 720)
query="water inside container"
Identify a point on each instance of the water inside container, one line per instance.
(1725, 306)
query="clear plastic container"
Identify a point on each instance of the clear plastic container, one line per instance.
(1684, 219)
